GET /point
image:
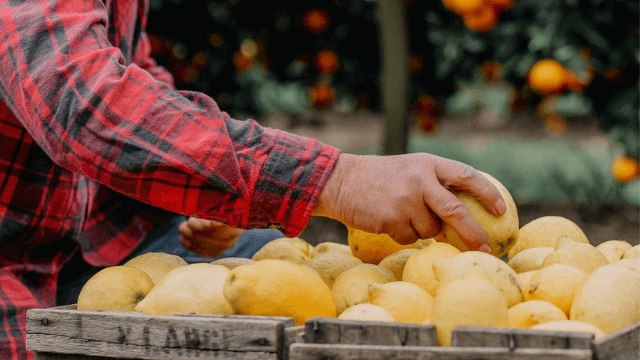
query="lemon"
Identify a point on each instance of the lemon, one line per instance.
(281, 250)
(545, 231)
(366, 312)
(583, 256)
(523, 281)
(632, 252)
(557, 284)
(117, 288)
(298, 242)
(395, 262)
(326, 247)
(232, 262)
(570, 325)
(498, 272)
(194, 288)
(631, 263)
(156, 264)
(529, 259)
(330, 265)
(472, 301)
(372, 248)
(406, 302)
(418, 268)
(352, 285)
(613, 249)
(609, 298)
(502, 230)
(278, 288)
(532, 312)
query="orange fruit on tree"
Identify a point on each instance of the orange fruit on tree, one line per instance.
(321, 94)
(491, 70)
(624, 168)
(327, 62)
(316, 20)
(463, 6)
(547, 76)
(240, 61)
(482, 19)
(555, 124)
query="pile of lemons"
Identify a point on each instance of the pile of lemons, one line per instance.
(552, 278)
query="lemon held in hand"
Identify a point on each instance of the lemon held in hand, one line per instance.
(502, 230)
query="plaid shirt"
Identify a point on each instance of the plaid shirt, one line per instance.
(97, 146)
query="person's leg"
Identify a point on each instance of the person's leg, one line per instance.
(163, 238)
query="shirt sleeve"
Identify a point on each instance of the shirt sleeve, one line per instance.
(142, 57)
(94, 113)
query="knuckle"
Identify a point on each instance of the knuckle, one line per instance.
(452, 209)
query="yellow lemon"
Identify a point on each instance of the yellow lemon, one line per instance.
(156, 264)
(557, 284)
(395, 262)
(281, 250)
(232, 262)
(278, 288)
(583, 256)
(570, 325)
(352, 285)
(330, 265)
(406, 302)
(502, 230)
(472, 301)
(609, 298)
(418, 268)
(117, 288)
(632, 252)
(613, 249)
(532, 312)
(529, 259)
(498, 273)
(366, 312)
(545, 231)
(372, 248)
(631, 263)
(194, 288)
(523, 281)
(326, 247)
(299, 243)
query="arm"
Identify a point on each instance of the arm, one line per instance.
(114, 123)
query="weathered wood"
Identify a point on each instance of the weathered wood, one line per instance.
(378, 352)
(519, 338)
(70, 346)
(127, 334)
(338, 331)
(291, 335)
(620, 345)
(53, 356)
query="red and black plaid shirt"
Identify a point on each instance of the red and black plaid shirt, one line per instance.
(97, 146)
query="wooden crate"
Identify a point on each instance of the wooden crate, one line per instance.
(335, 339)
(71, 334)
(67, 333)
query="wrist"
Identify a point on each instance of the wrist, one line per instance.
(328, 198)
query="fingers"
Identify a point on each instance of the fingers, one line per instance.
(452, 211)
(462, 177)
(427, 226)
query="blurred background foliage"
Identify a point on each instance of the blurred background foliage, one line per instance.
(555, 60)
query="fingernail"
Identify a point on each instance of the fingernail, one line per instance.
(485, 248)
(500, 206)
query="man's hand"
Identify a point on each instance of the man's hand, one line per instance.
(407, 197)
(207, 237)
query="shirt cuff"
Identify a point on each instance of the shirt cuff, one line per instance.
(296, 171)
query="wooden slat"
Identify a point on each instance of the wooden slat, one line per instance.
(291, 335)
(53, 356)
(47, 327)
(620, 345)
(519, 338)
(70, 346)
(338, 331)
(376, 352)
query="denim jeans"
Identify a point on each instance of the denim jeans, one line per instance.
(163, 238)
